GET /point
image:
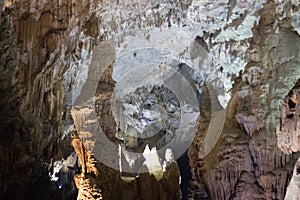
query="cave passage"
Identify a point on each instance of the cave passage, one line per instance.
(185, 173)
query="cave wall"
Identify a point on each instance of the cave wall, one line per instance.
(46, 47)
(31, 106)
(98, 181)
(247, 163)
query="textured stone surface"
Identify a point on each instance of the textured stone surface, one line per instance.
(251, 58)
(246, 162)
(98, 181)
(293, 188)
(288, 127)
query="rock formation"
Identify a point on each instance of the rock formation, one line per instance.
(242, 63)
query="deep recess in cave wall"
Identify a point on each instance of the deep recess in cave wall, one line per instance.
(287, 135)
(287, 127)
(46, 47)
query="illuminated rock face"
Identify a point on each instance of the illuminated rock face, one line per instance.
(288, 127)
(247, 53)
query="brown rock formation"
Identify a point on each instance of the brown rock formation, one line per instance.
(98, 181)
(293, 188)
(246, 162)
(45, 48)
(288, 127)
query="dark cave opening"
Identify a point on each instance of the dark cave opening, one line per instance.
(185, 173)
(291, 104)
(43, 188)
